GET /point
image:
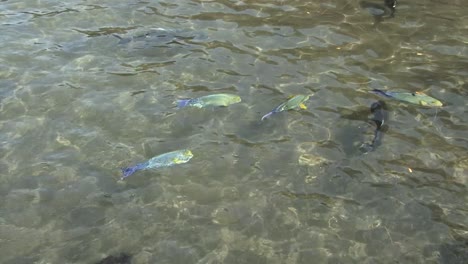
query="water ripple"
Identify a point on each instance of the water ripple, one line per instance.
(90, 87)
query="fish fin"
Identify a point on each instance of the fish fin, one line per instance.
(302, 106)
(121, 39)
(117, 36)
(423, 103)
(183, 103)
(380, 92)
(267, 115)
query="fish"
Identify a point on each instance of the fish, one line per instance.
(296, 101)
(210, 100)
(156, 35)
(122, 258)
(161, 37)
(163, 160)
(387, 10)
(390, 3)
(379, 116)
(414, 98)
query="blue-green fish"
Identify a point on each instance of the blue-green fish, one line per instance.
(163, 160)
(210, 100)
(296, 101)
(414, 98)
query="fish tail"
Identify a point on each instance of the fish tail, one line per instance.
(267, 115)
(127, 171)
(183, 103)
(380, 92)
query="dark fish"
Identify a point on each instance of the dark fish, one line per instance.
(156, 36)
(120, 259)
(379, 11)
(379, 116)
(137, 92)
(160, 37)
(390, 3)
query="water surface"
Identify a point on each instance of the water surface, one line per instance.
(77, 104)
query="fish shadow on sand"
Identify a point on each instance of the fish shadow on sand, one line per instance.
(368, 137)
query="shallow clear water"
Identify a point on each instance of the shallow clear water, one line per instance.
(77, 104)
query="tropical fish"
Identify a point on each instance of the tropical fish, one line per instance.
(296, 101)
(414, 98)
(380, 115)
(163, 160)
(210, 100)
